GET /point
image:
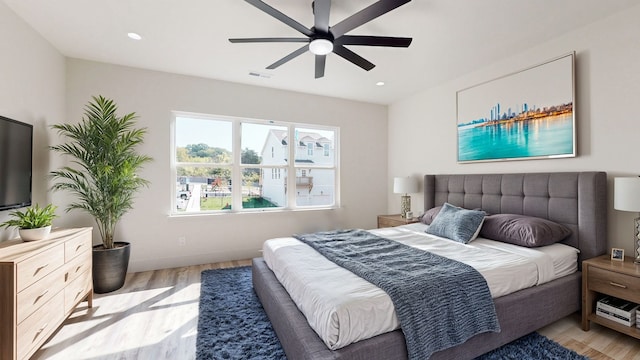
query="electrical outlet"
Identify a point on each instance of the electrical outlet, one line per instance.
(182, 241)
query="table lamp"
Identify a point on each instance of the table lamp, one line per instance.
(405, 185)
(627, 198)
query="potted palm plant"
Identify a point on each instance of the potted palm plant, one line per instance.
(34, 223)
(104, 180)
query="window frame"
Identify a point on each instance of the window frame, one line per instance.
(237, 167)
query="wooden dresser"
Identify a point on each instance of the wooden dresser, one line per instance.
(41, 282)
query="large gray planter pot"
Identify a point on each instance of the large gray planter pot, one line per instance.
(110, 267)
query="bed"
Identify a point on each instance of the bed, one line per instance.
(575, 199)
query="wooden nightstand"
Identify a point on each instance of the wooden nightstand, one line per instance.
(394, 220)
(602, 276)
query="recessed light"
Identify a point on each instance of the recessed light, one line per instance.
(134, 36)
(380, 83)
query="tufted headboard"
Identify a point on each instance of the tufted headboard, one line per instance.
(575, 199)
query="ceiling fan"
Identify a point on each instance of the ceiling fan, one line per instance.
(322, 39)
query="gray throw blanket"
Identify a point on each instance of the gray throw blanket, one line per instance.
(440, 302)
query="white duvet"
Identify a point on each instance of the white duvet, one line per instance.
(343, 308)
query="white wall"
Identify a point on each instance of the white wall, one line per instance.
(422, 130)
(32, 90)
(153, 95)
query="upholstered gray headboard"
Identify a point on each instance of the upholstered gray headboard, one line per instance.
(575, 199)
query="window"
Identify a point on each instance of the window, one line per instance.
(224, 164)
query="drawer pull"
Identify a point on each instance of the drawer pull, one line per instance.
(618, 285)
(78, 268)
(40, 296)
(39, 269)
(40, 331)
(79, 247)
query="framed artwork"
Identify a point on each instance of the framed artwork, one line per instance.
(525, 115)
(617, 254)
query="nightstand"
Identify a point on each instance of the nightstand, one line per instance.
(394, 220)
(602, 276)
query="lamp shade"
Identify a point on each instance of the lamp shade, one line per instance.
(405, 185)
(626, 192)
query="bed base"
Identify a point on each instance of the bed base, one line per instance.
(519, 314)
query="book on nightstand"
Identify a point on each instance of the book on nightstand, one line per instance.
(618, 310)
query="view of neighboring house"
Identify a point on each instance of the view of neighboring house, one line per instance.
(314, 185)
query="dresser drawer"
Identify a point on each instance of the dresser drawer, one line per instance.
(77, 266)
(31, 298)
(77, 246)
(615, 284)
(36, 328)
(76, 291)
(38, 266)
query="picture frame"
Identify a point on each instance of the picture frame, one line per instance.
(617, 254)
(529, 114)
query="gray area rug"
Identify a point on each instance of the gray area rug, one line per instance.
(233, 325)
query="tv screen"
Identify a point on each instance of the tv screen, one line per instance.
(16, 140)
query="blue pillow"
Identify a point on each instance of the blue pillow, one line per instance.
(457, 224)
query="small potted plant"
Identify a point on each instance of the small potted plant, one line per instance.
(34, 223)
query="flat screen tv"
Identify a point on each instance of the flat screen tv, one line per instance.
(16, 139)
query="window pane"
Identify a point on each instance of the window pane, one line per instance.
(252, 196)
(203, 188)
(274, 186)
(315, 187)
(263, 144)
(314, 146)
(203, 141)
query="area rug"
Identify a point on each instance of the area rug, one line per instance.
(233, 325)
(231, 322)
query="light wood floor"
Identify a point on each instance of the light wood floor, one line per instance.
(155, 316)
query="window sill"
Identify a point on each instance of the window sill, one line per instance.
(246, 212)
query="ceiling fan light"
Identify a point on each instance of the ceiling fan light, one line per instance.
(320, 46)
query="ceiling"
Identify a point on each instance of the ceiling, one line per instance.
(450, 38)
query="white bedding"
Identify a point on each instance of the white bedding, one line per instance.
(342, 308)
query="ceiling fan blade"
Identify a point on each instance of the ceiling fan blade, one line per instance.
(365, 15)
(280, 16)
(268, 40)
(374, 40)
(321, 15)
(352, 57)
(291, 56)
(320, 64)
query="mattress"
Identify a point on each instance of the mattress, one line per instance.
(343, 308)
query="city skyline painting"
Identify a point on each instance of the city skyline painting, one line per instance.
(525, 115)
